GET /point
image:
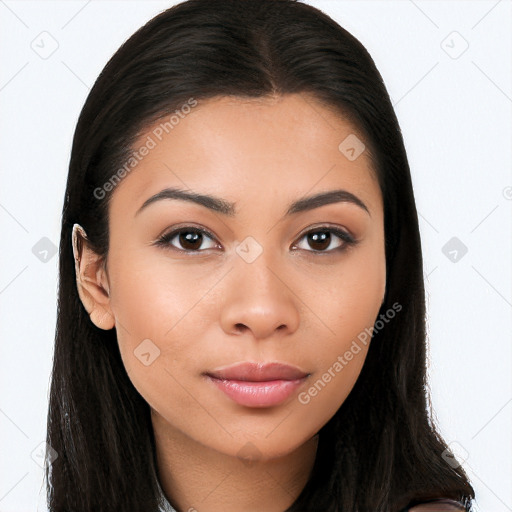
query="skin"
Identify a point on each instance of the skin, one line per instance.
(212, 308)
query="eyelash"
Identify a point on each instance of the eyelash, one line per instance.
(348, 240)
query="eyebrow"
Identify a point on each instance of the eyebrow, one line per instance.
(227, 208)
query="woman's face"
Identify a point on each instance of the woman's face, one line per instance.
(247, 285)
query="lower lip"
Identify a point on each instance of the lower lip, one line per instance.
(258, 394)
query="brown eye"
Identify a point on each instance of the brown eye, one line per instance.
(189, 239)
(321, 240)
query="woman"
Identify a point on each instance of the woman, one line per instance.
(241, 320)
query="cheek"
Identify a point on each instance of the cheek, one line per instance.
(349, 309)
(351, 297)
(151, 295)
(153, 306)
(328, 388)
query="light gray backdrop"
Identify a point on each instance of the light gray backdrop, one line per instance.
(447, 66)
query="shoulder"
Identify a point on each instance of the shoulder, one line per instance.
(439, 505)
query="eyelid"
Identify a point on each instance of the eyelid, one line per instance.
(326, 226)
(165, 238)
(342, 233)
(347, 238)
(182, 227)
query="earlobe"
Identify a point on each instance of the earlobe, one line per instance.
(91, 281)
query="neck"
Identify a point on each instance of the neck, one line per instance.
(197, 478)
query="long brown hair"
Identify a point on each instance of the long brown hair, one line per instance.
(381, 450)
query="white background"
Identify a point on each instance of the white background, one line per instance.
(455, 115)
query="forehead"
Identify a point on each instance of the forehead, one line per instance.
(241, 147)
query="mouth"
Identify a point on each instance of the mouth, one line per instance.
(258, 384)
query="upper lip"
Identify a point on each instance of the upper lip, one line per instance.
(258, 372)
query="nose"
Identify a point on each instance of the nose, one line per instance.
(259, 300)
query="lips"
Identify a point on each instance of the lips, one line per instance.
(258, 384)
(258, 372)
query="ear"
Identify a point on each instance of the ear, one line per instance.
(91, 280)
